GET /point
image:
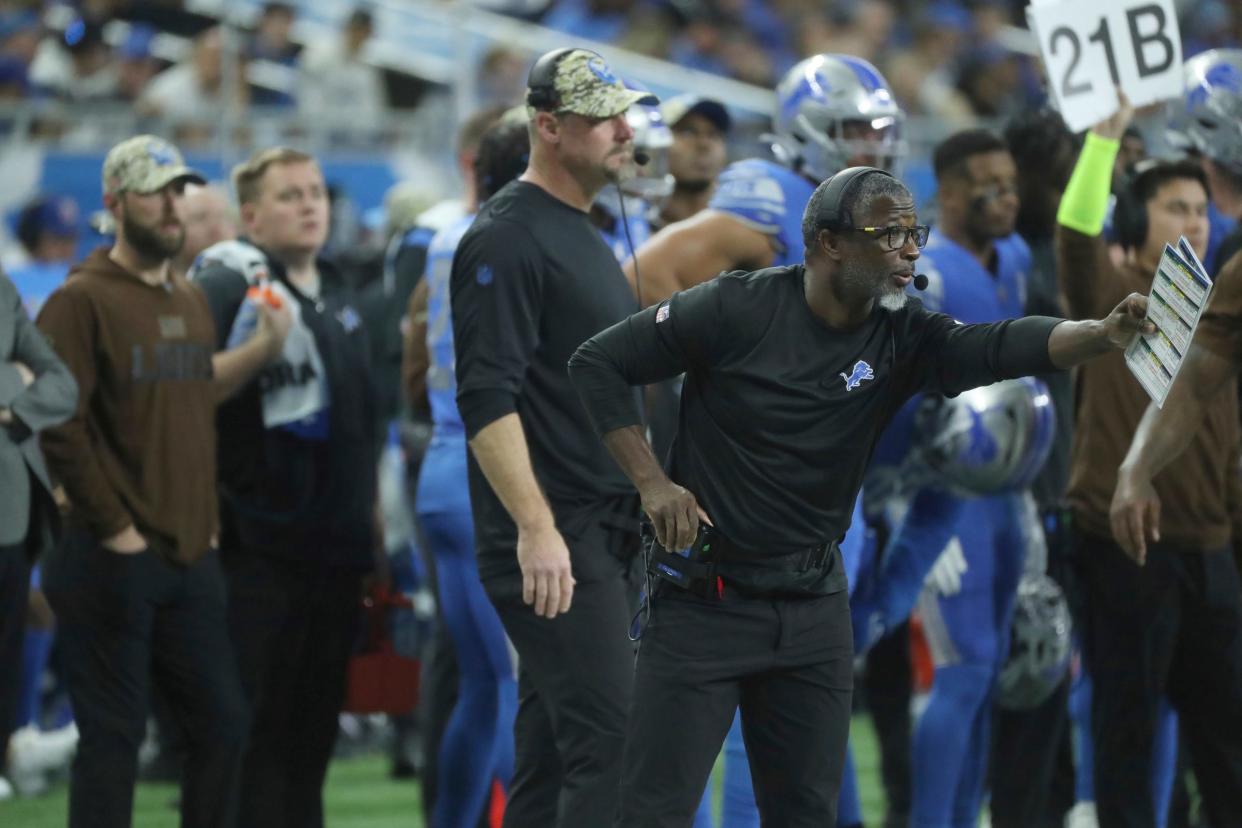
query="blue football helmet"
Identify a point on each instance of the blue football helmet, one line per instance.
(988, 440)
(985, 441)
(833, 112)
(1208, 116)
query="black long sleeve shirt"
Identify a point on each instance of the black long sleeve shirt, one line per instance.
(281, 495)
(532, 279)
(779, 411)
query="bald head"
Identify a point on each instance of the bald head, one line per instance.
(208, 218)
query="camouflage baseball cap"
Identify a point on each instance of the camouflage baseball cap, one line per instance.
(584, 85)
(145, 164)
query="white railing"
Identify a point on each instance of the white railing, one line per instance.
(442, 42)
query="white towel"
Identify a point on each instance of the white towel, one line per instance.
(294, 388)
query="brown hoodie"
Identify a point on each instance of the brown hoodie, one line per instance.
(141, 447)
(1195, 511)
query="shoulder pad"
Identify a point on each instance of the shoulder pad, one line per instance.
(239, 256)
(756, 192)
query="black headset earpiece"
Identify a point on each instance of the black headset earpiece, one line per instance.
(541, 82)
(1129, 211)
(832, 208)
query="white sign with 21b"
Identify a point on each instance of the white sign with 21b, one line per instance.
(1090, 48)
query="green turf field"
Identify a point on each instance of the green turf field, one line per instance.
(360, 795)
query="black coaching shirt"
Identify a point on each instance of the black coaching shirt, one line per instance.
(532, 280)
(779, 411)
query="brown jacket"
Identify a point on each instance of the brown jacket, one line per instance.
(1110, 402)
(141, 447)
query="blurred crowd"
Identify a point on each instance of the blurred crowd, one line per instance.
(173, 64)
(950, 59)
(953, 60)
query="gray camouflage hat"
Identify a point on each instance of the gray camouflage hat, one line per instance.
(584, 85)
(145, 164)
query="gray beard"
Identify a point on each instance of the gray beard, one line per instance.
(888, 296)
(893, 300)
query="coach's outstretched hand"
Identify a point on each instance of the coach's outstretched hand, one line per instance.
(1127, 319)
(1073, 343)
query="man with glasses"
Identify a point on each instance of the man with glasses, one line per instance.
(791, 374)
(832, 111)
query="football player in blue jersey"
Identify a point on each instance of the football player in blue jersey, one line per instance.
(972, 550)
(477, 745)
(833, 111)
(700, 128)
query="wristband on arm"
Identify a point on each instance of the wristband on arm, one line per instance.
(1084, 205)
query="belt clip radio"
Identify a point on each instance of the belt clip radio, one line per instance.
(692, 568)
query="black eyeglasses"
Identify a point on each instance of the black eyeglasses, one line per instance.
(896, 235)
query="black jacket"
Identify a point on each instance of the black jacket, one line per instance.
(282, 494)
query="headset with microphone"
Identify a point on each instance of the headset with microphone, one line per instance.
(832, 207)
(541, 82)
(541, 94)
(1129, 210)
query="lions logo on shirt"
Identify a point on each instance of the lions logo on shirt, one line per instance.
(861, 371)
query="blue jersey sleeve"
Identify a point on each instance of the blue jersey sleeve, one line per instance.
(442, 363)
(769, 198)
(750, 192)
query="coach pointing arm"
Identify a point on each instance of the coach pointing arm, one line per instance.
(851, 274)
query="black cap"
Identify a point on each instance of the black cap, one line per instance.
(674, 109)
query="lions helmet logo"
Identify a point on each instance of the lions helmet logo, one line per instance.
(601, 71)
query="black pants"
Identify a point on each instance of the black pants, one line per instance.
(786, 663)
(889, 684)
(14, 597)
(1172, 627)
(293, 626)
(1031, 764)
(574, 678)
(121, 620)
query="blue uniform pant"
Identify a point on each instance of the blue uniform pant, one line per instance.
(477, 745)
(968, 633)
